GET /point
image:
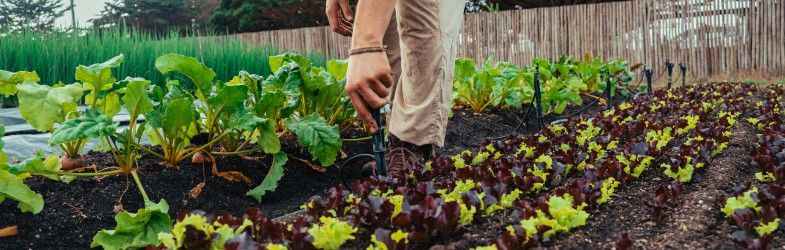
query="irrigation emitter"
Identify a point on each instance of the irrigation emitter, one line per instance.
(669, 65)
(648, 73)
(379, 150)
(538, 95)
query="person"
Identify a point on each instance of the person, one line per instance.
(415, 75)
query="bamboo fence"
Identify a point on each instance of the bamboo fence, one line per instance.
(706, 36)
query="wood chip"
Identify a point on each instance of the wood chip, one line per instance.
(8, 231)
(196, 190)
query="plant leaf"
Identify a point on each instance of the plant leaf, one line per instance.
(229, 99)
(136, 230)
(179, 113)
(200, 74)
(43, 106)
(136, 100)
(83, 128)
(322, 141)
(243, 120)
(270, 182)
(12, 187)
(338, 68)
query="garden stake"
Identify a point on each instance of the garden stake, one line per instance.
(378, 144)
(648, 74)
(669, 65)
(538, 95)
(609, 89)
(683, 74)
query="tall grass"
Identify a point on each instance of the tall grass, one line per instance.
(55, 55)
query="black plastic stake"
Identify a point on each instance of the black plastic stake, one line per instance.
(609, 89)
(669, 65)
(648, 74)
(538, 95)
(379, 150)
(683, 74)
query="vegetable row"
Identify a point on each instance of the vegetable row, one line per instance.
(519, 176)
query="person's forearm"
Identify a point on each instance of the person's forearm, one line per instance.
(371, 22)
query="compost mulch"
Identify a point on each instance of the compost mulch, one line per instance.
(74, 212)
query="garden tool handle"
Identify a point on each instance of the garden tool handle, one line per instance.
(379, 149)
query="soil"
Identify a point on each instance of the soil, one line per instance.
(75, 212)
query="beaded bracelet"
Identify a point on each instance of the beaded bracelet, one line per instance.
(363, 50)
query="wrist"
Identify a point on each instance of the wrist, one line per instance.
(366, 40)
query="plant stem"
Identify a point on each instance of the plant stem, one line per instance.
(238, 152)
(75, 174)
(202, 147)
(148, 150)
(139, 184)
(357, 139)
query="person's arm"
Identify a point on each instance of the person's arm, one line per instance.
(368, 76)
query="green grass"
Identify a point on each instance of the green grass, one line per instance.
(55, 56)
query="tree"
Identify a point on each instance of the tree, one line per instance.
(151, 15)
(30, 14)
(257, 15)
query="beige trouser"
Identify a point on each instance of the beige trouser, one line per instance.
(422, 39)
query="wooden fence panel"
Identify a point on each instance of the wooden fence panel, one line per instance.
(707, 36)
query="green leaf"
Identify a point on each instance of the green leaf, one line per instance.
(322, 141)
(136, 230)
(338, 68)
(98, 77)
(560, 108)
(43, 106)
(200, 74)
(270, 182)
(287, 79)
(270, 103)
(276, 62)
(12, 187)
(179, 114)
(243, 120)
(83, 128)
(49, 164)
(229, 99)
(136, 100)
(9, 80)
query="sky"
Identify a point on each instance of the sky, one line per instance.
(84, 9)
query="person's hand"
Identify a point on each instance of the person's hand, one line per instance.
(367, 82)
(340, 15)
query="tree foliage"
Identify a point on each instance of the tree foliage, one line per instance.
(257, 15)
(31, 14)
(154, 15)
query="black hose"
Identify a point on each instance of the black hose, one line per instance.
(343, 164)
(531, 103)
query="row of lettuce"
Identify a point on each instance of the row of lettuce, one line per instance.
(755, 213)
(505, 85)
(519, 177)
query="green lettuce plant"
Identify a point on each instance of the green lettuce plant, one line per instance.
(498, 85)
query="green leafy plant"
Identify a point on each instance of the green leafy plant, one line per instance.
(136, 230)
(331, 234)
(497, 85)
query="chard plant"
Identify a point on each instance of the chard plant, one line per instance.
(43, 106)
(497, 85)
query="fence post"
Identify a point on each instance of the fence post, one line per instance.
(538, 95)
(683, 74)
(669, 65)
